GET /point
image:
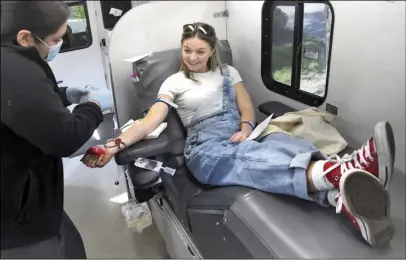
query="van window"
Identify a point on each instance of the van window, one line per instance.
(296, 48)
(78, 34)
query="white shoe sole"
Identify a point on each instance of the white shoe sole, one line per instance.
(385, 148)
(366, 198)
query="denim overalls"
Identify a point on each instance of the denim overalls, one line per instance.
(276, 164)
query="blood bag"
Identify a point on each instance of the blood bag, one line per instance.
(153, 165)
(148, 164)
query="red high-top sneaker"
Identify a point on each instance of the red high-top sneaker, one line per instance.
(366, 202)
(377, 157)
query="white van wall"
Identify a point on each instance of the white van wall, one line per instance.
(105, 33)
(367, 73)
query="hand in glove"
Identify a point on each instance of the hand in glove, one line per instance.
(103, 96)
(74, 94)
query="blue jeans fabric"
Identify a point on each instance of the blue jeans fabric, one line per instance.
(275, 164)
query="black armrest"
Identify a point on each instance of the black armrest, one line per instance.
(275, 107)
(171, 142)
(149, 148)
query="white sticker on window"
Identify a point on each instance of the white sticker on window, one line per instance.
(115, 12)
(311, 54)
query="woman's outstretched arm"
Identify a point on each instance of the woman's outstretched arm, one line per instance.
(143, 127)
(138, 131)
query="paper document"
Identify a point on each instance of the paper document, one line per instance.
(155, 134)
(260, 128)
(127, 125)
(115, 12)
(157, 131)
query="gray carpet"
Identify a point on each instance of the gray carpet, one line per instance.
(100, 221)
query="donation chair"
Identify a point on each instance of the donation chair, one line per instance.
(239, 222)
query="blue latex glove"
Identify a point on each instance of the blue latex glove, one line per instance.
(74, 94)
(102, 95)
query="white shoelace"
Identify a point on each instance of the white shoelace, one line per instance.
(339, 205)
(345, 161)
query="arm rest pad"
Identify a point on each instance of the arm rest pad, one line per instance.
(171, 142)
(275, 107)
(150, 147)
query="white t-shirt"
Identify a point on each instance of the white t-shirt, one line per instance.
(189, 95)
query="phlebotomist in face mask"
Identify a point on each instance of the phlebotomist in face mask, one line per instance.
(37, 130)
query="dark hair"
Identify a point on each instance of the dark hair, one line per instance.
(206, 33)
(42, 18)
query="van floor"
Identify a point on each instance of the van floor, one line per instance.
(100, 221)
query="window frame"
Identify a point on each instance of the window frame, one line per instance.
(294, 90)
(88, 29)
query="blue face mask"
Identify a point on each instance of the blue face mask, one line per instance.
(53, 50)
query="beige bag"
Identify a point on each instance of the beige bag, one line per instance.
(312, 125)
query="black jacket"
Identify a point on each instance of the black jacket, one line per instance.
(36, 131)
